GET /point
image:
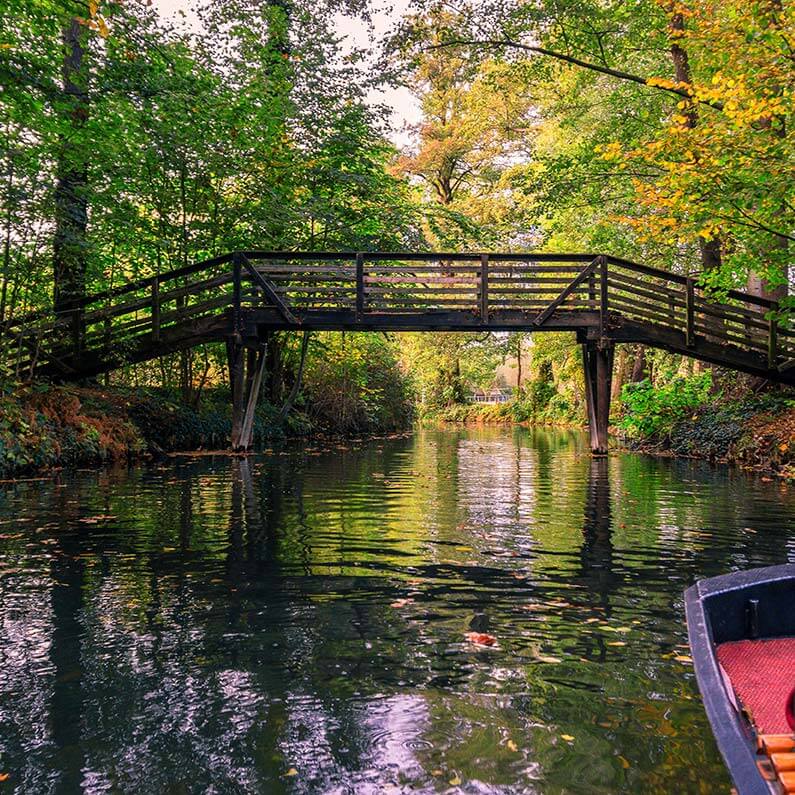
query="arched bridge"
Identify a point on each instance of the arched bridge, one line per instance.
(238, 298)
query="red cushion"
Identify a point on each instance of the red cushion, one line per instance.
(762, 673)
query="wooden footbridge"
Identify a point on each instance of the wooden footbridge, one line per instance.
(238, 298)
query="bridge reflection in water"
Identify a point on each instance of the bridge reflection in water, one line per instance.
(215, 623)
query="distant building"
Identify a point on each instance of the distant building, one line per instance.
(493, 395)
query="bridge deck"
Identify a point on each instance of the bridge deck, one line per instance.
(240, 296)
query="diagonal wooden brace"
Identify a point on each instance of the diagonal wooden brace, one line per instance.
(567, 291)
(269, 290)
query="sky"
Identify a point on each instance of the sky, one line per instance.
(405, 108)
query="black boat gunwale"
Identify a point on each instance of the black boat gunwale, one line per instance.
(732, 732)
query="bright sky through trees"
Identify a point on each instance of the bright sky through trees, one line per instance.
(405, 107)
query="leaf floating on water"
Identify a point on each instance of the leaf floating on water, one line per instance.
(436, 772)
(455, 781)
(544, 658)
(616, 643)
(624, 762)
(480, 638)
(512, 746)
(567, 737)
(4, 776)
(683, 658)
(401, 602)
(291, 772)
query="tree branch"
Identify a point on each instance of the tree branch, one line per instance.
(571, 59)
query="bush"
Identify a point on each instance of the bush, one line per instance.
(651, 411)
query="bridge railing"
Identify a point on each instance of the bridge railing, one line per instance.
(108, 323)
(677, 302)
(489, 288)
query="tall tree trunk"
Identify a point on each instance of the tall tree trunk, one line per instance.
(70, 246)
(779, 244)
(288, 404)
(710, 249)
(639, 366)
(619, 371)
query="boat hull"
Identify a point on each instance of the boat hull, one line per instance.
(754, 604)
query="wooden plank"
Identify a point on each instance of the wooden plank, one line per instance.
(690, 336)
(772, 338)
(731, 339)
(484, 287)
(247, 431)
(156, 310)
(359, 285)
(745, 320)
(626, 309)
(603, 295)
(633, 287)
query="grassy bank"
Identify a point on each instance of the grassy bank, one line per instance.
(690, 418)
(46, 427)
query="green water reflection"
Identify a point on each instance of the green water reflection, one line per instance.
(296, 622)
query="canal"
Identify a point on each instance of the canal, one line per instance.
(301, 621)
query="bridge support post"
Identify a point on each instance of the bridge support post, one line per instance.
(246, 371)
(597, 359)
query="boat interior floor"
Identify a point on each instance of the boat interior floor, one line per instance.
(762, 673)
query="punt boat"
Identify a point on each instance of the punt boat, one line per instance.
(741, 629)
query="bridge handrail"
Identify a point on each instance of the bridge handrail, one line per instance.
(256, 254)
(397, 282)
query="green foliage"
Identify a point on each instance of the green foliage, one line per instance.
(353, 384)
(652, 411)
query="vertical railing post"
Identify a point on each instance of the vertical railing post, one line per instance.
(603, 307)
(772, 336)
(690, 335)
(237, 267)
(156, 309)
(484, 288)
(591, 290)
(359, 285)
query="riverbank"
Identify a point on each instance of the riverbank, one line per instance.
(756, 433)
(45, 427)
(511, 412)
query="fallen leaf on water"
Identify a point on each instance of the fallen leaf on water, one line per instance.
(436, 772)
(455, 781)
(616, 643)
(567, 737)
(624, 762)
(401, 602)
(546, 659)
(480, 638)
(291, 772)
(3, 776)
(683, 658)
(512, 745)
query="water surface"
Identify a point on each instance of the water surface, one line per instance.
(296, 622)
